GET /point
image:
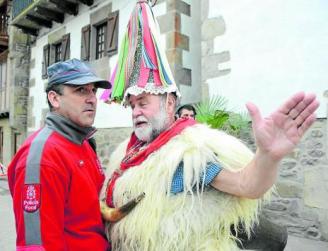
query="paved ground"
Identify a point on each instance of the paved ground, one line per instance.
(7, 225)
(7, 228)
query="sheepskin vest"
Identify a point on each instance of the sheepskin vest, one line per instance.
(199, 218)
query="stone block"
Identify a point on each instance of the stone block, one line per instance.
(212, 28)
(177, 40)
(174, 57)
(290, 189)
(210, 65)
(314, 145)
(313, 232)
(317, 133)
(44, 113)
(309, 162)
(179, 6)
(182, 76)
(30, 117)
(316, 153)
(171, 21)
(316, 188)
(288, 168)
(323, 218)
(207, 47)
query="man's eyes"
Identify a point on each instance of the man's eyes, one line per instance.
(83, 90)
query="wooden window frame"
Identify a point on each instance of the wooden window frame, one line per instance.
(89, 48)
(57, 52)
(49, 53)
(101, 32)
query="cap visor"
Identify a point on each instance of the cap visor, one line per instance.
(99, 83)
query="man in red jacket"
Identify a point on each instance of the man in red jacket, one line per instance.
(55, 177)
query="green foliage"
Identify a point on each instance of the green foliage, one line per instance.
(214, 112)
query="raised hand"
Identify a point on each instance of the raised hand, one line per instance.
(278, 134)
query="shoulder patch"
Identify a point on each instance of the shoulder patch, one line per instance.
(31, 199)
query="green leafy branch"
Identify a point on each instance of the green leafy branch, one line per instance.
(214, 112)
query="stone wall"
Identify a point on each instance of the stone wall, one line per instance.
(300, 201)
(107, 140)
(302, 186)
(18, 74)
(19, 57)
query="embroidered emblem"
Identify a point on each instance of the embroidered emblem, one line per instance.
(81, 163)
(31, 197)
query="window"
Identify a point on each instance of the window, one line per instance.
(100, 40)
(55, 52)
(58, 50)
(45, 62)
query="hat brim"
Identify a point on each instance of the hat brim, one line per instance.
(99, 83)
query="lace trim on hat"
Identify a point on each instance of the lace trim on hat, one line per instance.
(150, 88)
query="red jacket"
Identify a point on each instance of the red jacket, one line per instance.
(64, 203)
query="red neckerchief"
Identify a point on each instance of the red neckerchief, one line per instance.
(135, 156)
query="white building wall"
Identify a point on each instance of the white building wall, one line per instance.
(277, 47)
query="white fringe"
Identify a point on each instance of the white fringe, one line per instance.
(196, 219)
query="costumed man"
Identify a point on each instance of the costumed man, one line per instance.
(195, 181)
(266, 235)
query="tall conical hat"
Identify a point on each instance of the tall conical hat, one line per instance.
(142, 64)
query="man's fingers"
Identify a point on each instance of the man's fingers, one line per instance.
(254, 113)
(291, 103)
(301, 106)
(307, 112)
(306, 124)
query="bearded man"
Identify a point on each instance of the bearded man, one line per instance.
(197, 181)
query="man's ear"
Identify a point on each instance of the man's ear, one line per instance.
(54, 99)
(170, 104)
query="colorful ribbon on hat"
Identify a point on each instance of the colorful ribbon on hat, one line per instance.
(142, 22)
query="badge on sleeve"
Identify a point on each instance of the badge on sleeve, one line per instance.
(31, 197)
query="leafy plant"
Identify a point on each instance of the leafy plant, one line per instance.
(214, 112)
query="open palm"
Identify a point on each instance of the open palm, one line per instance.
(278, 134)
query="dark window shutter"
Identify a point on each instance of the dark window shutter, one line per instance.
(66, 47)
(52, 54)
(45, 63)
(112, 33)
(85, 43)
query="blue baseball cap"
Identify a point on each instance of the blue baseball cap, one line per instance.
(74, 72)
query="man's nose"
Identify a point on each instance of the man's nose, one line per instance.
(136, 112)
(92, 98)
